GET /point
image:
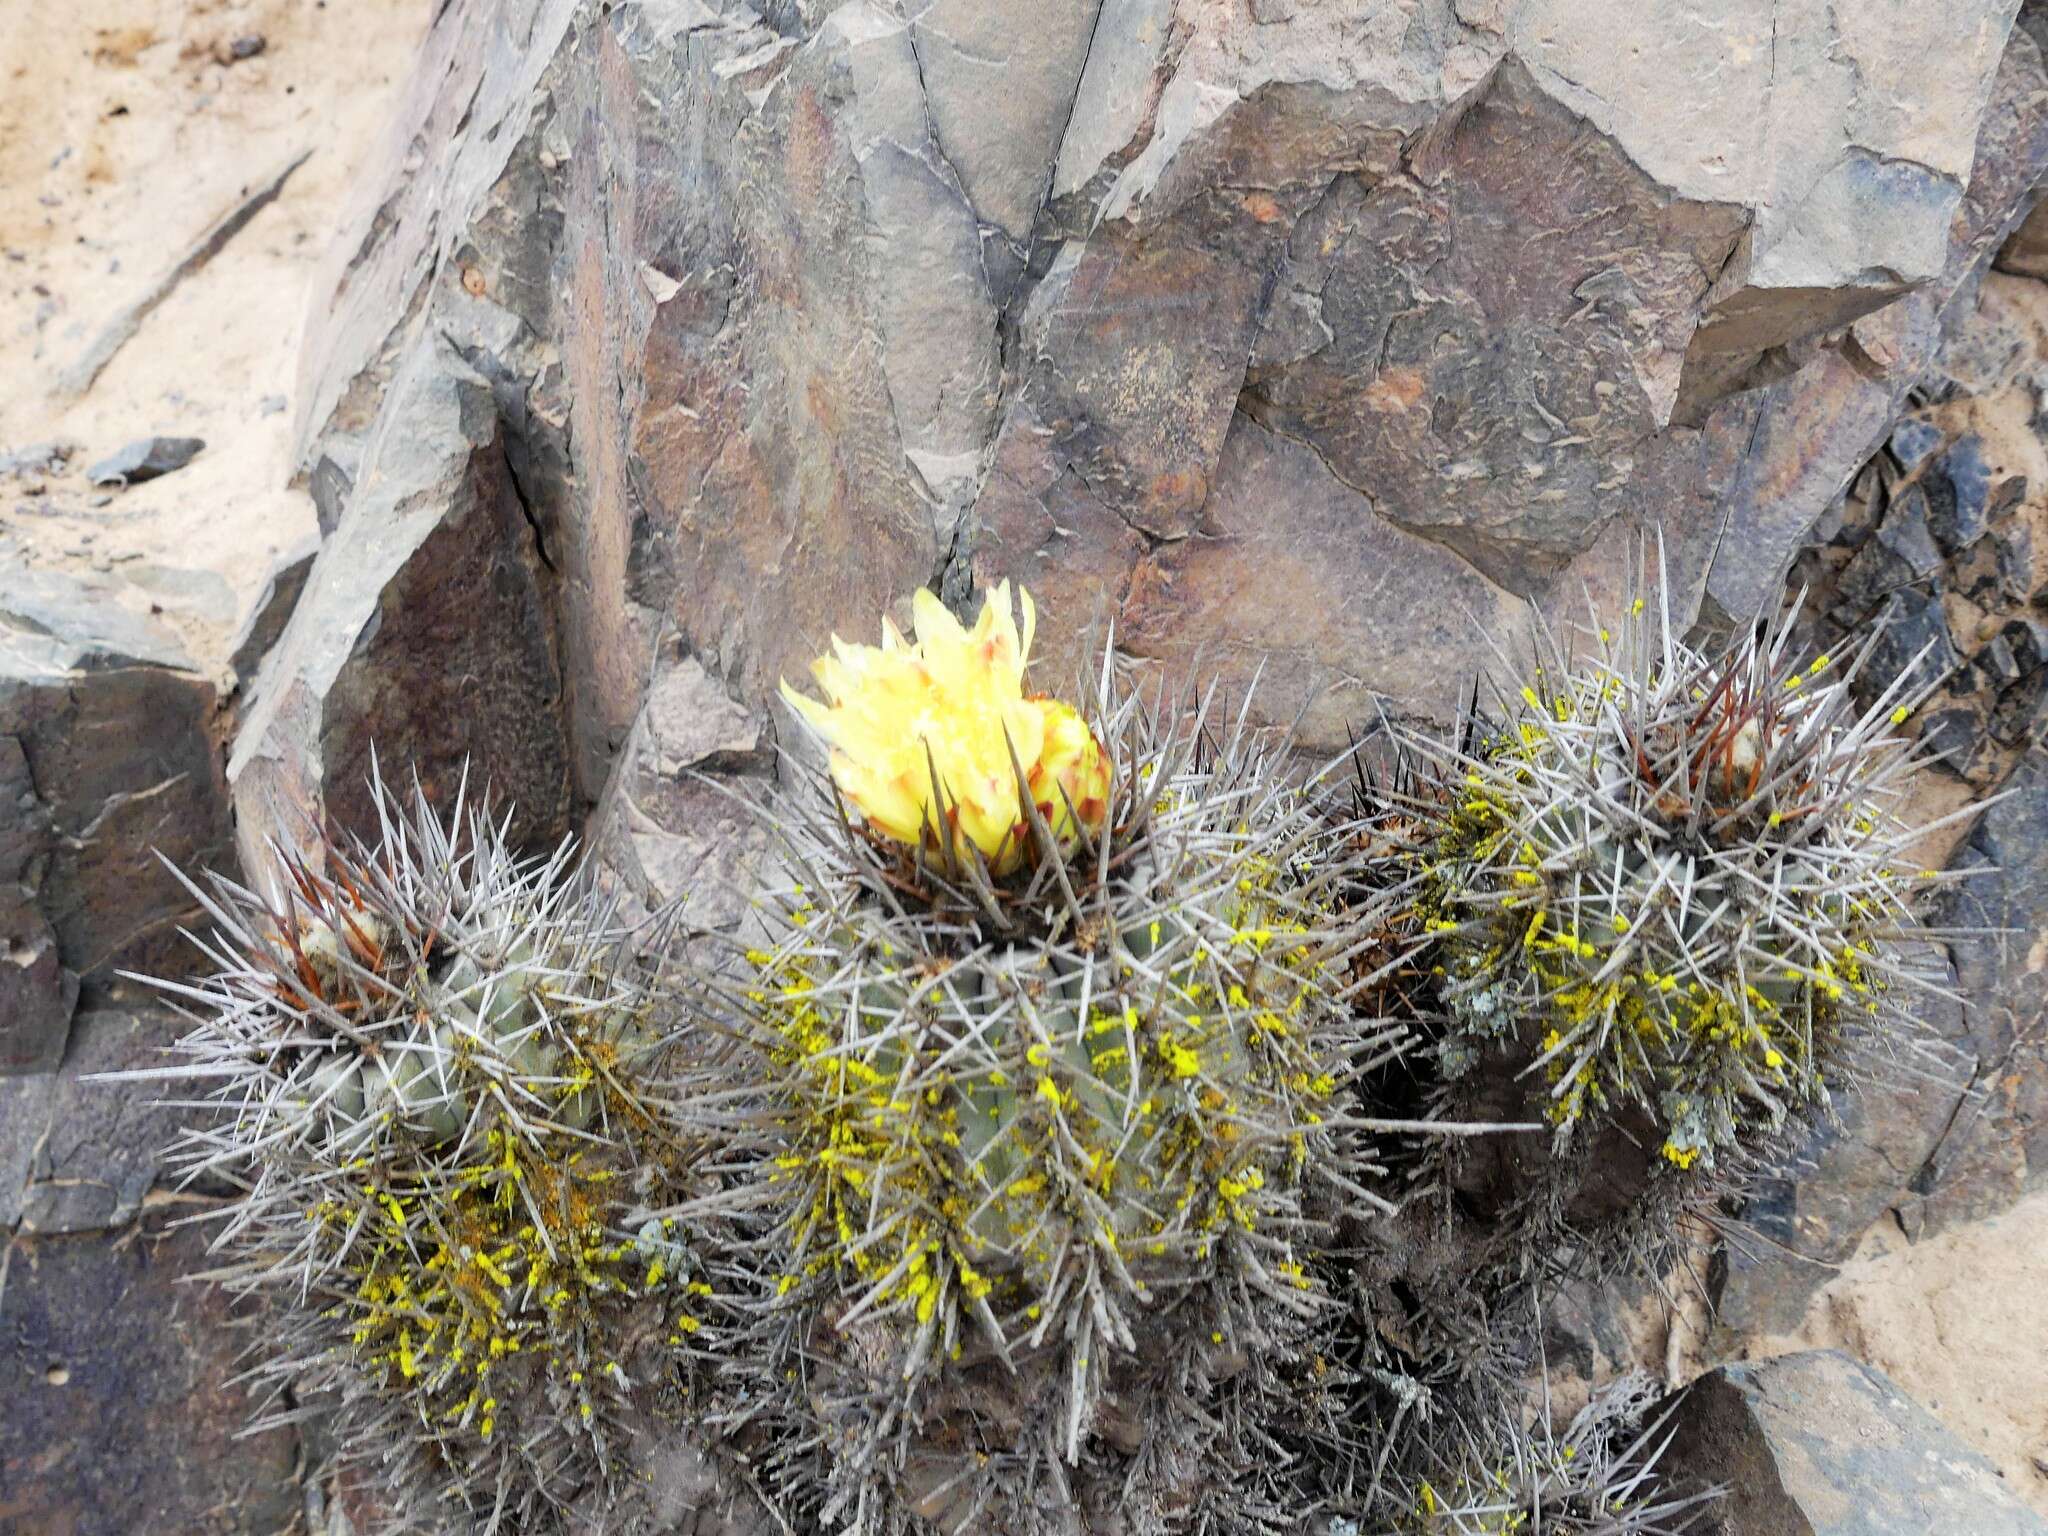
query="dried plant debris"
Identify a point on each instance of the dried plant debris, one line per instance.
(430, 1068)
(1598, 1476)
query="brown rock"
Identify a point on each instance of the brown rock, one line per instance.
(1295, 601)
(1491, 390)
(425, 636)
(119, 1416)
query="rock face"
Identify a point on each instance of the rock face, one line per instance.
(424, 633)
(1998, 1149)
(108, 758)
(1820, 1445)
(104, 1344)
(1337, 335)
(120, 1416)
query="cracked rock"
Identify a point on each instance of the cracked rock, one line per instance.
(78, 1156)
(425, 635)
(672, 838)
(121, 1416)
(1958, 488)
(108, 767)
(780, 322)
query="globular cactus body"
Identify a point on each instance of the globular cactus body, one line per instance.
(1055, 1147)
(431, 1066)
(1686, 873)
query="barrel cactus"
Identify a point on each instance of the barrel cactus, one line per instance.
(1664, 908)
(1059, 1057)
(428, 1066)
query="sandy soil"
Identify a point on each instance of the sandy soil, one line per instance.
(1961, 1322)
(128, 128)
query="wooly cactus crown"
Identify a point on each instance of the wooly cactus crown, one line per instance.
(427, 1067)
(1686, 874)
(1053, 1149)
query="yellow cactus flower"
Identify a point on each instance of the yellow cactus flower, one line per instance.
(952, 704)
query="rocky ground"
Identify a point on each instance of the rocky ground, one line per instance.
(1330, 336)
(170, 173)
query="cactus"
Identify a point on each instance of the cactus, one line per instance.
(429, 1066)
(1598, 1476)
(1056, 1143)
(1651, 910)
(1678, 881)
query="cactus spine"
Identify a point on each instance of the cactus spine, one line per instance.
(1687, 874)
(428, 1067)
(1055, 1149)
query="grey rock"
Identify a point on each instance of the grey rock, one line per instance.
(425, 634)
(882, 326)
(2014, 715)
(145, 459)
(120, 1417)
(2026, 641)
(329, 485)
(1958, 738)
(56, 622)
(1428, 390)
(1870, 1157)
(1229, 602)
(1998, 662)
(1901, 552)
(37, 992)
(999, 83)
(673, 836)
(1958, 487)
(1913, 440)
(2013, 543)
(79, 1156)
(204, 595)
(109, 766)
(1819, 1444)
(263, 625)
(1997, 1149)
(1913, 644)
(36, 459)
